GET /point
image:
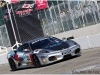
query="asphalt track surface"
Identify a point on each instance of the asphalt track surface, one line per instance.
(87, 63)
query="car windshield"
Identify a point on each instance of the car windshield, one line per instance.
(40, 44)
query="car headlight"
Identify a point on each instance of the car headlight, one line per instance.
(40, 51)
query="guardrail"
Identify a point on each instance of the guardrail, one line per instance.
(3, 55)
(3, 49)
(90, 41)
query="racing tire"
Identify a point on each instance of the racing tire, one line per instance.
(79, 54)
(12, 64)
(36, 61)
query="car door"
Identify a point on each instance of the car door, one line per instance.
(24, 56)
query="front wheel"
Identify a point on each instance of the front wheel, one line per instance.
(36, 61)
(12, 64)
(79, 54)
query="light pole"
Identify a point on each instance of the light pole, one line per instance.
(16, 41)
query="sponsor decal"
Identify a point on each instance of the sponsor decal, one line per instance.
(13, 1)
(28, 6)
(41, 4)
(26, 58)
(16, 57)
(25, 10)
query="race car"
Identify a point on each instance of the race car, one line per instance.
(42, 51)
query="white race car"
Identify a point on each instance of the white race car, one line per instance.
(42, 51)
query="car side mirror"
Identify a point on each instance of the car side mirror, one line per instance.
(64, 39)
(70, 38)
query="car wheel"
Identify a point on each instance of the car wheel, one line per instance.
(36, 61)
(79, 54)
(12, 64)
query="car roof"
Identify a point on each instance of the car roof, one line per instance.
(38, 39)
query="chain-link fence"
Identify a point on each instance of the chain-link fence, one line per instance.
(4, 39)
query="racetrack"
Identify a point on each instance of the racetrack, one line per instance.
(89, 60)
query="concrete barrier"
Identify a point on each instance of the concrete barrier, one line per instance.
(87, 37)
(3, 58)
(83, 41)
(86, 42)
(3, 55)
(94, 40)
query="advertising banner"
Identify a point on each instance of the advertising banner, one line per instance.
(25, 9)
(25, 20)
(41, 4)
(13, 1)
